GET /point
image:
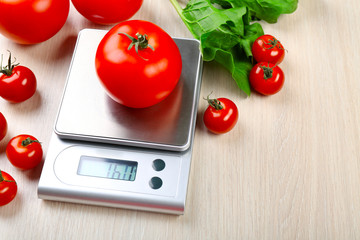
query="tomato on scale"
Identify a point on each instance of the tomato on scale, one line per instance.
(221, 115)
(17, 83)
(138, 63)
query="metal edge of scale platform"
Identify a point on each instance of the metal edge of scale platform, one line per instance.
(75, 131)
(50, 187)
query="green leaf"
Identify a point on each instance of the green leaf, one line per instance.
(203, 17)
(232, 52)
(267, 10)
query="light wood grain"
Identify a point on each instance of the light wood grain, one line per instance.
(289, 170)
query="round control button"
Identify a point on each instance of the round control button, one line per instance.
(155, 183)
(158, 165)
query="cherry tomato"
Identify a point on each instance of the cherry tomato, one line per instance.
(138, 63)
(32, 21)
(266, 78)
(8, 188)
(24, 151)
(17, 83)
(3, 126)
(107, 11)
(267, 48)
(221, 115)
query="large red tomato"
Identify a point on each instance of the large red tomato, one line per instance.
(107, 11)
(138, 63)
(32, 21)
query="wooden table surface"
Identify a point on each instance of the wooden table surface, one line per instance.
(289, 170)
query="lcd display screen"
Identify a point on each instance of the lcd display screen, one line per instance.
(107, 168)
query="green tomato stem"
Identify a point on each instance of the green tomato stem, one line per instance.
(7, 70)
(214, 102)
(2, 179)
(28, 141)
(176, 6)
(268, 71)
(140, 42)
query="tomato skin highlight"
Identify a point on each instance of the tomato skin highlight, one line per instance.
(223, 120)
(32, 21)
(24, 157)
(268, 86)
(107, 11)
(19, 86)
(8, 188)
(3, 126)
(142, 79)
(267, 48)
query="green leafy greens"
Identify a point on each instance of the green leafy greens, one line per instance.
(226, 33)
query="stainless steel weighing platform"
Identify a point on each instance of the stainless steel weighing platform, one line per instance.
(103, 153)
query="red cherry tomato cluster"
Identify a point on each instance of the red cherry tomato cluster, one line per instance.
(17, 84)
(266, 77)
(24, 152)
(33, 21)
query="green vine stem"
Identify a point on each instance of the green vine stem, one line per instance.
(179, 10)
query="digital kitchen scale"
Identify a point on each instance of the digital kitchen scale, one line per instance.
(103, 153)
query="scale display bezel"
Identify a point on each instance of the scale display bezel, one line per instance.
(67, 163)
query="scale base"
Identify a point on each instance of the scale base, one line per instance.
(59, 185)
